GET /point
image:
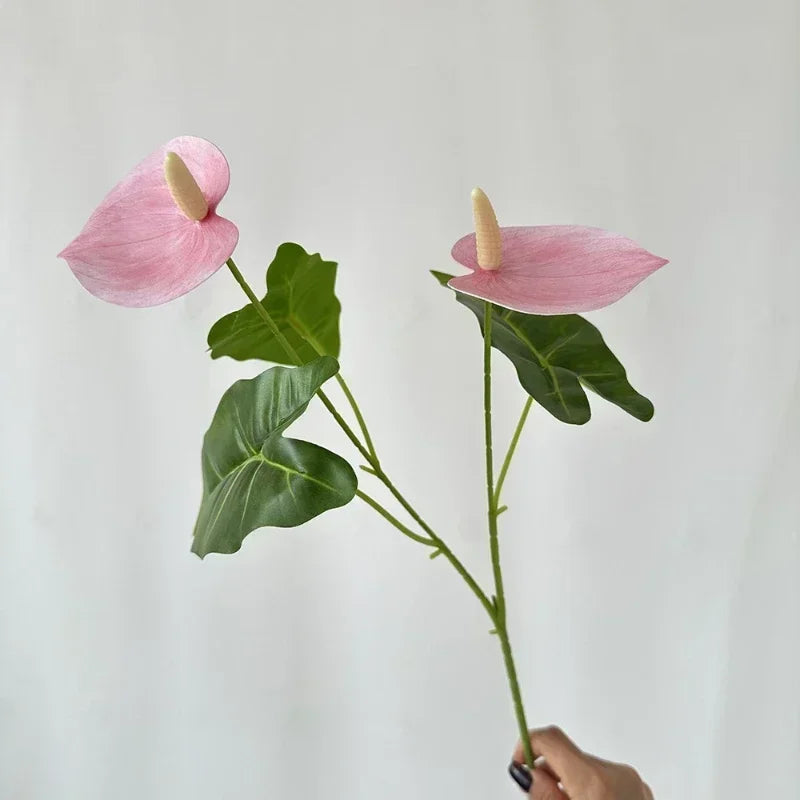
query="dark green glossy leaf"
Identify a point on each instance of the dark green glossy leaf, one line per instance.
(254, 477)
(300, 298)
(555, 357)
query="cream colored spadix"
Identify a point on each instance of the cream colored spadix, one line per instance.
(487, 231)
(183, 188)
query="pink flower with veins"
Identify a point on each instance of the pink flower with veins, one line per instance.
(156, 235)
(548, 269)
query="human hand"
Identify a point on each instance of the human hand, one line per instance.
(563, 770)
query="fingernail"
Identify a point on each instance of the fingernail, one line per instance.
(522, 776)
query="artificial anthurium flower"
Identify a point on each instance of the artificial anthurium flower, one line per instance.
(157, 235)
(547, 269)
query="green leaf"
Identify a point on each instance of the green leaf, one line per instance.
(555, 357)
(300, 298)
(254, 477)
(443, 277)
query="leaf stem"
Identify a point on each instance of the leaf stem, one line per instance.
(292, 353)
(320, 350)
(511, 448)
(393, 520)
(358, 415)
(501, 625)
(371, 459)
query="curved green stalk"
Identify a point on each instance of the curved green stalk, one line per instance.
(438, 541)
(292, 353)
(358, 415)
(320, 351)
(501, 626)
(511, 448)
(393, 520)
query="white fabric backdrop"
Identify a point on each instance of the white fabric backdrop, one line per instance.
(652, 569)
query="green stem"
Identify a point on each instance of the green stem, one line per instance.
(320, 351)
(501, 625)
(393, 520)
(368, 456)
(261, 311)
(437, 540)
(292, 353)
(358, 415)
(511, 448)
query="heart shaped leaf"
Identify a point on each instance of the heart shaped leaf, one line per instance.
(555, 357)
(300, 298)
(254, 477)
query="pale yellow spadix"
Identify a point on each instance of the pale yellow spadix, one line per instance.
(183, 188)
(487, 231)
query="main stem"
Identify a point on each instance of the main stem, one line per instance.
(370, 458)
(501, 626)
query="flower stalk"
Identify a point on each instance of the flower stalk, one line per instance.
(500, 618)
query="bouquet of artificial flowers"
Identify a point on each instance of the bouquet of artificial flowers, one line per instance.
(157, 235)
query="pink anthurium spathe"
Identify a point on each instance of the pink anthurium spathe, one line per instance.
(549, 269)
(157, 235)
